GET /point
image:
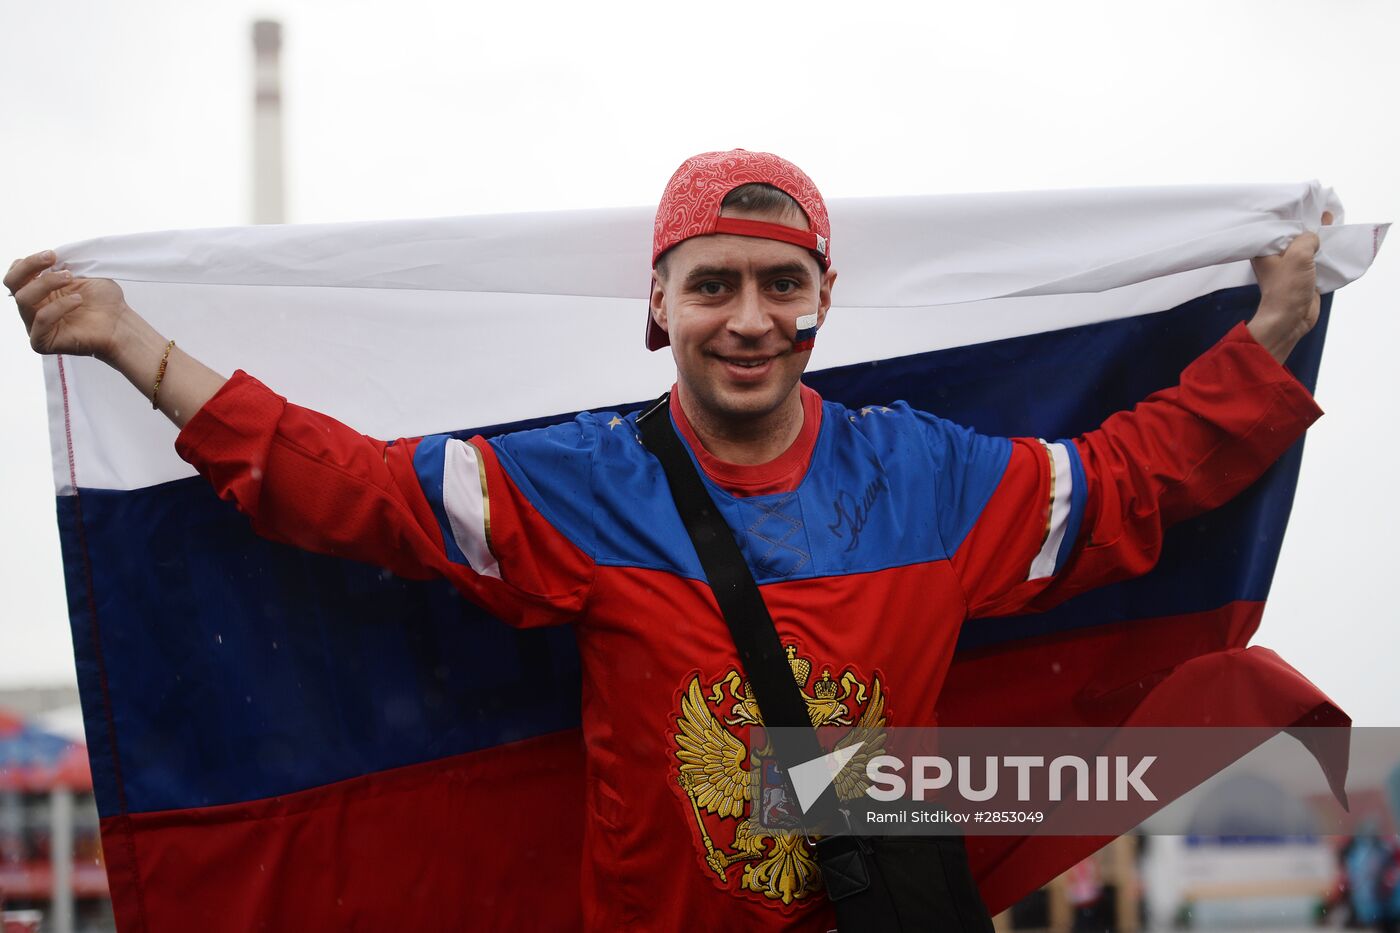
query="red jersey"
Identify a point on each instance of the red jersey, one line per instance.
(873, 538)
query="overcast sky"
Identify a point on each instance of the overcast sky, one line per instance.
(131, 116)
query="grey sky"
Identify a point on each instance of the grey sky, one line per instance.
(134, 116)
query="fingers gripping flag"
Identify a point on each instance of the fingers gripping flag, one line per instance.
(285, 739)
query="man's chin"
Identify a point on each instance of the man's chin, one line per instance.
(748, 403)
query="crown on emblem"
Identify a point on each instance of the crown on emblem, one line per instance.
(825, 689)
(801, 667)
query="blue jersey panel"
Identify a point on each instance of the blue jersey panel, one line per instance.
(886, 487)
(553, 467)
(968, 467)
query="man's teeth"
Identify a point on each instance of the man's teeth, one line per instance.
(748, 364)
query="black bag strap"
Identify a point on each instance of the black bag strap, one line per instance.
(765, 662)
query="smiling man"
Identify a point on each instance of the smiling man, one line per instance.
(740, 305)
(873, 533)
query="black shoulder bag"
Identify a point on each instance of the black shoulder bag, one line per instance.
(875, 883)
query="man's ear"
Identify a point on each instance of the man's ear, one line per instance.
(658, 301)
(824, 295)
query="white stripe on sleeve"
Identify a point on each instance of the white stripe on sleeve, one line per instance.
(468, 508)
(1061, 481)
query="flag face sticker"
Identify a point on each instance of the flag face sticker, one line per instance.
(254, 710)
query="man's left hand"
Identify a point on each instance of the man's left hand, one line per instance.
(1289, 301)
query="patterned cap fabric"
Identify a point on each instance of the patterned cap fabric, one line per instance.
(691, 203)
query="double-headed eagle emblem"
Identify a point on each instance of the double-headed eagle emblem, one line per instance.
(716, 776)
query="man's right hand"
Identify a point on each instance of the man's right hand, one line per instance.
(90, 317)
(63, 313)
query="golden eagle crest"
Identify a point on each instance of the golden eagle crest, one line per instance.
(716, 777)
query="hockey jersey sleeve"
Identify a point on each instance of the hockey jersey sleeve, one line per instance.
(436, 506)
(1069, 515)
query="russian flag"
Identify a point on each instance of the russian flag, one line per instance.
(283, 740)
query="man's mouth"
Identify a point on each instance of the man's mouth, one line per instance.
(747, 368)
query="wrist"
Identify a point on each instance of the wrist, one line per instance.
(1275, 331)
(135, 348)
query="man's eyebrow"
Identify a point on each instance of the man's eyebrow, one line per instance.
(709, 272)
(796, 270)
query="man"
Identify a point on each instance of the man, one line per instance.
(846, 517)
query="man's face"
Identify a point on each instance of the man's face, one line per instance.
(730, 306)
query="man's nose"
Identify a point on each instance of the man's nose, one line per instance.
(751, 319)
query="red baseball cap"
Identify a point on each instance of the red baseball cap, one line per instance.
(691, 202)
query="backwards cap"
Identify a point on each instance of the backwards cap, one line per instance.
(691, 203)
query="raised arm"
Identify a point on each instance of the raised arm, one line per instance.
(1072, 515)
(90, 317)
(436, 506)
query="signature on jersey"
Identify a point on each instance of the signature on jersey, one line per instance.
(853, 512)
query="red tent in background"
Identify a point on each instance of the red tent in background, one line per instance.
(34, 761)
(34, 764)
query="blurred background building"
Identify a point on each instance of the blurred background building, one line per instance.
(52, 877)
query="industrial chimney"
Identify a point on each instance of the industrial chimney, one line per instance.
(267, 122)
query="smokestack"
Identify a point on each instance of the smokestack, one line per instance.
(267, 122)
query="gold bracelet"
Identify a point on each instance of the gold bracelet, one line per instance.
(160, 374)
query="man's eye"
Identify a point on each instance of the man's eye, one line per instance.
(784, 286)
(711, 288)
